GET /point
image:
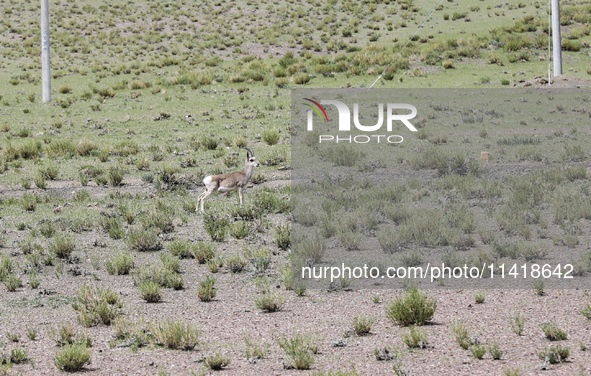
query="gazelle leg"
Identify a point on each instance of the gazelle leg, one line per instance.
(240, 195)
(199, 201)
(202, 198)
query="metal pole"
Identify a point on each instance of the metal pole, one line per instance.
(556, 43)
(45, 63)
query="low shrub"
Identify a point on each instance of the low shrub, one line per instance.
(216, 226)
(415, 338)
(62, 247)
(217, 362)
(207, 289)
(176, 335)
(269, 302)
(414, 308)
(271, 136)
(300, 350)
(478, 351)
(120, 264)
(203, 251)
(461, 335)
(283, 236)
(362, 325)
(143, 240)
(72, 358)
(150, 291)
(554, 354)
(553, 332)
(97, 305)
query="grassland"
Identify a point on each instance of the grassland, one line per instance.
(427, 201)
(104, 255)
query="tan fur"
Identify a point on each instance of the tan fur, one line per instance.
(234, 179)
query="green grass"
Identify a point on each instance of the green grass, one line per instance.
(203, 252)
(19, 355)
(517, 323)
(495, 351)
(255, 350)
(13, 282)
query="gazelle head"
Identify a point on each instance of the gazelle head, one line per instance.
(251, 160)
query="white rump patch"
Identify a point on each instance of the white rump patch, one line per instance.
(207, 180)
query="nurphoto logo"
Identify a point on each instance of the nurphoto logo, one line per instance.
(344, 118)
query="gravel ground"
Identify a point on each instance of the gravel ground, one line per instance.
(326, 315)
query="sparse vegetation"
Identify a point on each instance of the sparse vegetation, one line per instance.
(255, 350)
(216, 226)
(538, 286)
(203, 252)
(100, 185)
(478, 351)
(495, 351)
(283, 237)
(480, 297)
(32, 333)
(19, 355)
(271, 136)
(144, 240)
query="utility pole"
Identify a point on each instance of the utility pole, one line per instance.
(45, 63)
(556, 42)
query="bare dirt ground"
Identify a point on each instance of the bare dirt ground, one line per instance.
(231, 315)
(560, 82)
